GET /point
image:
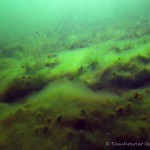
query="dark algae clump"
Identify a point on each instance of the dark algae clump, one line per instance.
(22, 87)
(130, 75)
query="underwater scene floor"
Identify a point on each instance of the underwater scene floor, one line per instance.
(76, 93)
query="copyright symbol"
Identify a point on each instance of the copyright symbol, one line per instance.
(107, 143)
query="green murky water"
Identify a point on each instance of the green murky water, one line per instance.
(74, 74)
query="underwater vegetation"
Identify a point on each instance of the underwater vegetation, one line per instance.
(97, 98)
(74, 75)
